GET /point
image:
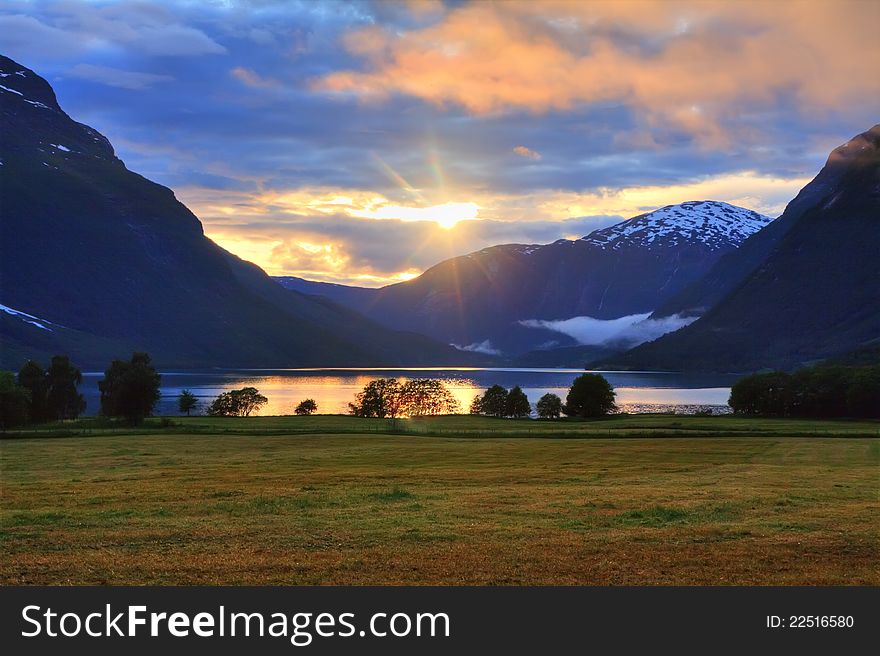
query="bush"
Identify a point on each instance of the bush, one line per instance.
(549, 406)
(590, 396)
(306, 407)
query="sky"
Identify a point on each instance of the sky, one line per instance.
(363, 142)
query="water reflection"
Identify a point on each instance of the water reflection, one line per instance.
(334, 389)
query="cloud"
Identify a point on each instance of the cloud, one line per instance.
(68, 27)
(689, 65)
(528, 153)
(624, 332)
(252, 79)
(479, 347)
(116, 77)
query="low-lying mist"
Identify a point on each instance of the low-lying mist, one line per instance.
(623, 332)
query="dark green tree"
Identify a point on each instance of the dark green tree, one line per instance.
(590, 396)
(237, 403)
(15, 400)
(549, 406)
(130, 389)
(477, 405)
(62, 399)
(32, 377)
(306, 407)
(863, 393)
(517, 405)
(379, 398)
(187, 401)
(769, 394)
(494, 401)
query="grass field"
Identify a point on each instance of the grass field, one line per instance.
(285, 500)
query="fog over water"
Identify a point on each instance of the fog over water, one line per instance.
(333, 389)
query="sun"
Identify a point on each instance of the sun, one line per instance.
(448, 215)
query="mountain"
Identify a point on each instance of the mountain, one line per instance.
(805, 289)
(98, 261)
(633, 267)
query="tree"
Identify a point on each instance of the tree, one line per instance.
(477, 405)
(427, 396)
(517, 405)
(187, 402)
(237, 403)
(590, 396)
(494, 401)
(130, 389)
(32, 377)
(379, 398)
(62, 399)
(15, 401)
(549, 406)
(306, 407)
(769, 394)
(53, 391)
(863, 394)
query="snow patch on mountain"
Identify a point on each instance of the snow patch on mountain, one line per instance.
(713, 223)
(27, 318)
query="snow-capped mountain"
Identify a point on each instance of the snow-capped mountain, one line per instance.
(628, 268)
(717, 225)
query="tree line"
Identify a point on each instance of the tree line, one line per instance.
(820, 391)
(590, 395)
(130, 390)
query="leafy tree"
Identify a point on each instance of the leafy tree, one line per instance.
(237, 403)
(517, 404)
(32, 377)
(427, 396)
(15, 400)
(477, 405)
(130, 389)
(306, 407)
(863, 393)
(590, 396)
(769, 394)
(62, 399)
(187, 401)
(379, 398)
(494, 401)
(52, 392)
(549, 406)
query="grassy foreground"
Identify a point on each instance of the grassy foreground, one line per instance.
(321, 500)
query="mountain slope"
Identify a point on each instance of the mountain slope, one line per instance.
(629, 268)
(115, 262)
(815, 293)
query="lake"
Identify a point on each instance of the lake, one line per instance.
(333, 389)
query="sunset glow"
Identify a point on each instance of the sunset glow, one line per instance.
(307, 140)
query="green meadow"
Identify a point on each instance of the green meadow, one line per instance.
(649, 499)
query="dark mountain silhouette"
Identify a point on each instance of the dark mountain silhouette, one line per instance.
(629, 268)
(102, 261)
(805, 289)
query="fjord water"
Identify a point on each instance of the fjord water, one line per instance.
(333, 389)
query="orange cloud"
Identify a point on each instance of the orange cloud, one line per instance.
(678, 64)
(522, 151)
(251, 78)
